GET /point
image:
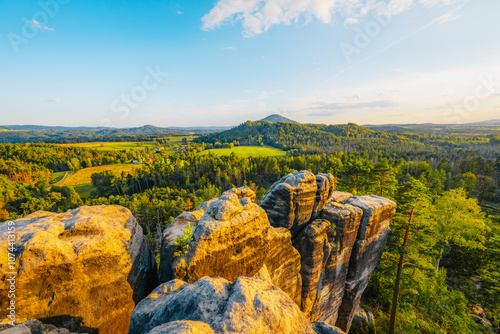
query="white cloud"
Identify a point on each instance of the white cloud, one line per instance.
(258, 16)
(447, 18)
(38, 26)
(54, 100)
(229, 48)
(179, 12)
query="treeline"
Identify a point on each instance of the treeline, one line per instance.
(298, 139)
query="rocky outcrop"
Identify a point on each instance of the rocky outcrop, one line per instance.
(322, 328)
(238, 246)
(362, 322)
(370, 242)
(53, 325)
(325, 184)
(91, 262)
(228, 241)
(175, 229)
(306, 255)
(183, 327)
(283, 263)
(314, 248)
(249, 305)
(344, 220)
(290, 201)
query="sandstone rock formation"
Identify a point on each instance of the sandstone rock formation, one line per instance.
(183, 327)
(368, 248)
(227, 241)
(321, 252)
(290, 201)
(322, 328)
(249, 305)
(70, 326)
(283, 263)
(314, 248)
(91, 262)
(344, 220)
(362, 322)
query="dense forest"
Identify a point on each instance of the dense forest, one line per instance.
(447, 227)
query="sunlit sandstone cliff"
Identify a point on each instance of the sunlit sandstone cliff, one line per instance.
(298, 263)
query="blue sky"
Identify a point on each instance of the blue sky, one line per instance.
(205, 63)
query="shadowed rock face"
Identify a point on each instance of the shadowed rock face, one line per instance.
(314, 248)
(325, 184)
(290, 201)
(249, 305)
(344, 220)
(91, 262)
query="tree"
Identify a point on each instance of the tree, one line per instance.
(458, 220)
(384, 174)
(412, 197)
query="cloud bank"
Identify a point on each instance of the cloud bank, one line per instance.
(258, 16)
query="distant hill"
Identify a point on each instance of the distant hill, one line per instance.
(61, 134)
(313, 138)
(276, 118)
(484, 127)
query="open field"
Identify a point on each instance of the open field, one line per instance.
(84, 176)
(84, 190)
(127, 145)
(247, 151)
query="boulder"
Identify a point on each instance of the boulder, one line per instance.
(230, 240)
(283, 263)
(363, 322)
(345, 220)
(289, 202)
(322, 328)
(339, 196)
(91, 262)
(183, 327)
(368, 248)
(314, 248)
(63, 325)
(249, 305)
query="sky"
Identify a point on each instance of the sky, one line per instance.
(220, 63)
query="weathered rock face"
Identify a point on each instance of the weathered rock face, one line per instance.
(314, 248)
(239, 246)
(344, 220)
(290, 201)
(229, 241)
(183, 327)
(368, 248)
(325, 184)
(249, 305)
(322, 328)
(338, 252)
(362, 322)
(91, 262)
(283, 263)
(170, 235)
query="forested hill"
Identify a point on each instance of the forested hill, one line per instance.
(311, 137)
(61, 134)
(321, 138)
